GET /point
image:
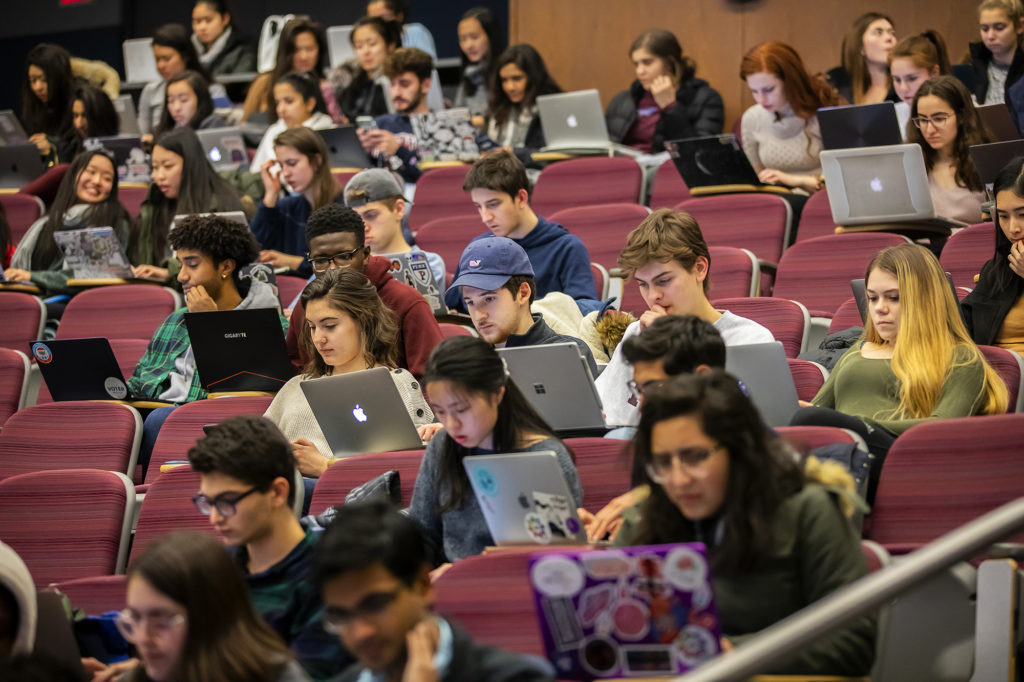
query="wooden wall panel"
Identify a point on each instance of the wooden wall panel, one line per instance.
(584, 42)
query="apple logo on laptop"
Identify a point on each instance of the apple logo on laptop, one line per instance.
(572, 121)
(359, 413)
(215, 155)
(876, 185)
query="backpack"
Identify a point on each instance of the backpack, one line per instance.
(270, 36)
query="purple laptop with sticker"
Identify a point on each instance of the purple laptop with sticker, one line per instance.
(625, 612)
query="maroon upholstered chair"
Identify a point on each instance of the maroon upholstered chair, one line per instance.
(1010, 367)
(602, 227)
(131, 195)
(23, 318)
(185, 426)
(96, 595)
(966, 251)
(22, 210)
(817, 272)
(604, 466)
(586, 181)
(351, 472)
(127, 311)
(787, 320)
(342, 176)
(816, 217)
(70, 435)
(451, 329)
(939, 475)
(668, 188)
(439, 194)
(448, 237)
(128, 352)
(14, 369)
(847, 315)
(46, 185)
(808, 377)
(288, 287)
(67, 524)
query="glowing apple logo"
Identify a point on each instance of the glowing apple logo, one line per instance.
(359, 413)
(876, 185)
(572, 121)
(215, 155)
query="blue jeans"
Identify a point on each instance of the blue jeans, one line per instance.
(150, 430)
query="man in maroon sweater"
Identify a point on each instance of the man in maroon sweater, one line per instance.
(336, 240)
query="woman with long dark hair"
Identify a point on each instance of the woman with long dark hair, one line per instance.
(482, 412)
(480, 42)
(188, 103)
(520, 76)
(220, 45)
(46, 95)
(776, 541)
(864, 77)
(92, 115)
(298, 102)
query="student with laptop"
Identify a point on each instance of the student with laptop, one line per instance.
(336, 237)
(188, 103)
(246, 486)
(777, 538)
(348, 329)
(220, 45)
(915, 360)
(280, 221)
(780, 132)
(511, 120)
(914, 60)
(92, 115)
(378, 198)
(483, 412)
(666, 101)
(87, 197)
(946, 125)
(373, 565)
(500, 191)
(408, 70)
(497, 286)
(46, 93)
(670, 261)
(298, 102)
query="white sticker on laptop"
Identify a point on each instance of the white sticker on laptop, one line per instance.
(557, 576)
(115, 388)
(685, 569)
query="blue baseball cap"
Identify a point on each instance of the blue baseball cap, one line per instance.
(489, 262)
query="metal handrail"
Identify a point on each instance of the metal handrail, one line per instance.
(867, 594)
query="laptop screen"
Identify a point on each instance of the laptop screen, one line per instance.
(876, 185)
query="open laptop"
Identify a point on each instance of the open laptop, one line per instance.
(361, 412)
(879, 185)
(11, 131)
(80, 369)
(446, 135)
(412, 268)
(990, 159)
(339, 45)
(224, 147)
(128, 119)
(764, 373)
(713, 162)
(999, 121)
(628, 612)
(93, 253)
(19, 165)
(525, 499)
(344, 149)
(859, 125)
(133, 163)
(239, 350)
(139, 63)
(574, 121)
(556, 381)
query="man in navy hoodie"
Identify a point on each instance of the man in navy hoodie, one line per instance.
(500, 190)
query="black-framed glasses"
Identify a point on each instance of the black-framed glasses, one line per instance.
(937, 120)
(340, 259)
(225, 503)
(336, 619)
(640, 390)
(691, 460)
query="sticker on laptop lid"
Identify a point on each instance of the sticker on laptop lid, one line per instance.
(41, 352)
(115, 388)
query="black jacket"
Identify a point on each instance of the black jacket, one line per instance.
(474, 663)
(238, 56)
(980, 58)
(984, 311)
(698, 111)
(540, 334)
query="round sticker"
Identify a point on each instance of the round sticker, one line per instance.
(537, 529)
(115, 388)
(700, 598)
(42, 353)
(599, 656)
(487, 482)
(695, 644)
(685, 569)
(557, 576)
(632, 619)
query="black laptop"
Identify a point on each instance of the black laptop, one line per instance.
(713, 161)
(80, 369)
(990, 159)
(859, 125)
(239, 350)
(19, 165)
(344, 149)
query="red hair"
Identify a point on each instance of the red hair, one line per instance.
(804, 92)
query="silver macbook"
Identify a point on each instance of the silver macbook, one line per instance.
(339, 45)
(11, 131)
(93, 253)
(878, 185)
(224, 147)
(556, 381)
(575, 120)
(128, 120)
(139, 63)
(361, 412)
(763, 372)
(525, 499)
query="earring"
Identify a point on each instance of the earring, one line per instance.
(223, 275)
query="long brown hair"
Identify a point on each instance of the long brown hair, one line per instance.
(352, 293)
(854, 60)
(665, 46)
(286, 52)
(804, 93)
(226, 640)
(311, 145)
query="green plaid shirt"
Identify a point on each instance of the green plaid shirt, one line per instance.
(152, 375)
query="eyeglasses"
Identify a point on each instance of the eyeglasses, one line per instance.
(340, 259)
(160, 624)
(225, 503)
(691, 460)
(337, 619)
(937, 120)
(640, 390)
